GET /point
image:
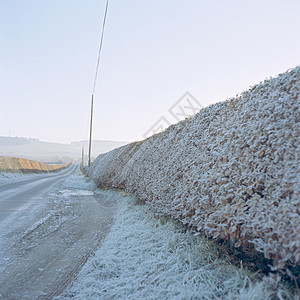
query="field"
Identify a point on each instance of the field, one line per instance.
(22, 165)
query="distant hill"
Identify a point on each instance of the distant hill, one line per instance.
(52, 152)
(9, 141)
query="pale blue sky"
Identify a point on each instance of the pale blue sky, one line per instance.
(154, 51)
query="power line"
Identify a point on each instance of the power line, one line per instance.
(100, 46)
(95, 81)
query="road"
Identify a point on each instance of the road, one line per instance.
(14, 196)
(44, 245)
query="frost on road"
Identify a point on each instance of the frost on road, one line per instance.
(44, 246)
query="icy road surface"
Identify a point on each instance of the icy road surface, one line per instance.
(44, 245)
(15, 195)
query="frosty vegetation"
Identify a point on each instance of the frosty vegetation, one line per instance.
(231, 171)
(144, 258)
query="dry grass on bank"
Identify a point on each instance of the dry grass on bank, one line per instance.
(22, 165)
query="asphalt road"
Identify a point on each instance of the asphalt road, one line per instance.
(45, 244)
(13, 196)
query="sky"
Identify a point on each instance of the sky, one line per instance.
(153, 53)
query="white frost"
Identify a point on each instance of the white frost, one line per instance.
(231, 171)
(141, 258)
(13, 177)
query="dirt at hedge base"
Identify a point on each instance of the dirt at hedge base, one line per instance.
(231, 171)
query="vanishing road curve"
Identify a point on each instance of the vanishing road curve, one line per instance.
(15, 195)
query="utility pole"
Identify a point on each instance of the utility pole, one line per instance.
(82, 157)
(95, 80)
(91, 127)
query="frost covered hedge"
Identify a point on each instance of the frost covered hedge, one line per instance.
(231, 171)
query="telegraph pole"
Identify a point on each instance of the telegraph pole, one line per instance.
(91, 127)
(95, 80)
(82, 156)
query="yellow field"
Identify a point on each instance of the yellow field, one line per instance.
(22, 165)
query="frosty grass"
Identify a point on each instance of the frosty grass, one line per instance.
(6, 177)
(145, 258)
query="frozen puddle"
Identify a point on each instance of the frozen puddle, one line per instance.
(68, 193)
(141, 258)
